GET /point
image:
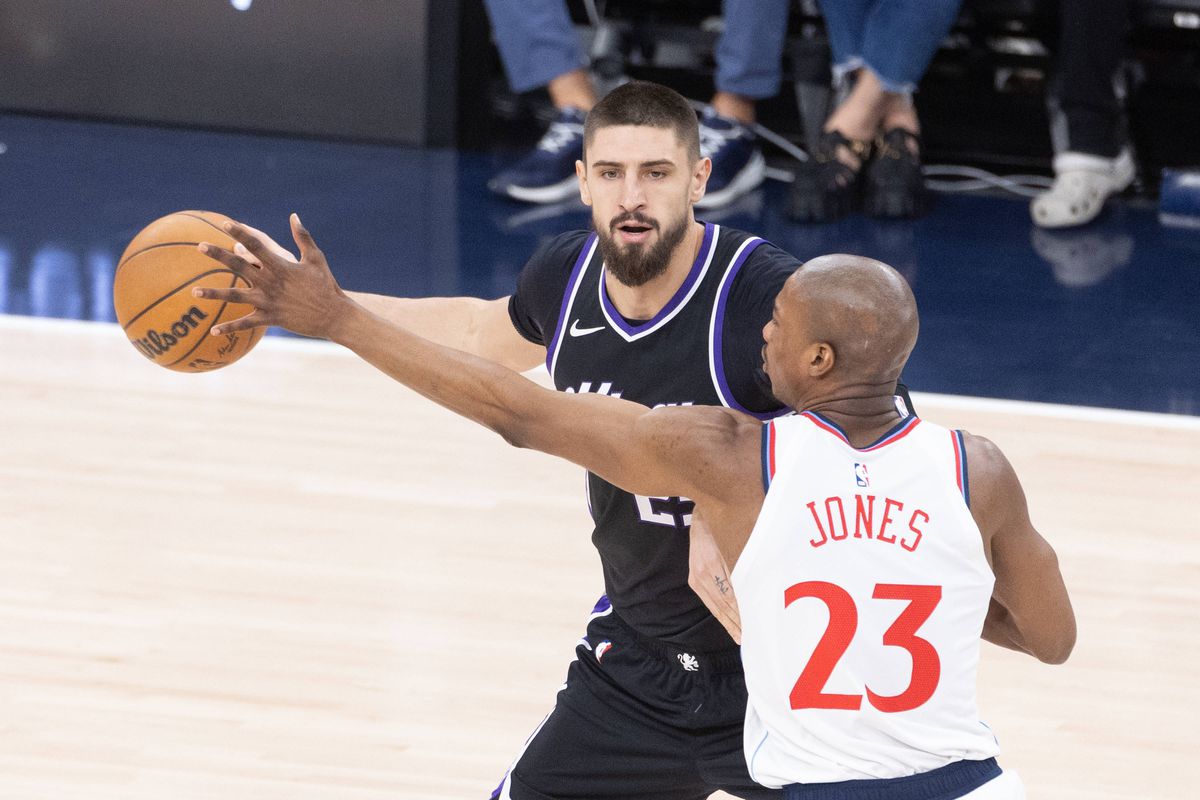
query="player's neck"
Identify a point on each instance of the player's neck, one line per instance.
(863, 419)
(645, 301)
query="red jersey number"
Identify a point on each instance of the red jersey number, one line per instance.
(843, 622)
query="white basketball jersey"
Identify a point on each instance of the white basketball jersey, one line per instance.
(863, 589)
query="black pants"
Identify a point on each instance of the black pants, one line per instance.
(1091, 42)
(639, 720)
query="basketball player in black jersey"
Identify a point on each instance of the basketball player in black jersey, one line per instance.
(658, 308)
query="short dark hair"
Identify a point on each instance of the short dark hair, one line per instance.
(645, 103)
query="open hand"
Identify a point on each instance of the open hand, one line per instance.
(280, 250)
(301, 296)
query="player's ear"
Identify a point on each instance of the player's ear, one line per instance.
(700, 178)
(585, 193)
(820, 358)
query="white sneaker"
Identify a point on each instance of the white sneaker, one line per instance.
(1082, 183)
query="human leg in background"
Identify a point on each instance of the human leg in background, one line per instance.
(826, 187)
(539, 47)
(748, 57)
(899, 41)
(1095, 164)
(886, 46)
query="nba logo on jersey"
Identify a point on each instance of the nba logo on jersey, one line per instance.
(860, 475)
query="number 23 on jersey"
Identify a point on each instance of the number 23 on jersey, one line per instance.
(843, 624)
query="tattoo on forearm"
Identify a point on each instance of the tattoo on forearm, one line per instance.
(722, 584)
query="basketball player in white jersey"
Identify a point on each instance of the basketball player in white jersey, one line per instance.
(871, 551)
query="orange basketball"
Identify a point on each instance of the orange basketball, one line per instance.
(152, 294)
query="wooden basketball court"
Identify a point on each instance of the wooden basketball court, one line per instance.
(296, 579)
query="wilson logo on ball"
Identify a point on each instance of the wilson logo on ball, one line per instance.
(156, 343)
(153, 301)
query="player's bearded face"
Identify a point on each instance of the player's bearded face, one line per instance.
(636, 263)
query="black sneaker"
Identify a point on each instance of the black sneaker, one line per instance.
(738, 166)
(825, 189)
(894, 187)
(547, 174)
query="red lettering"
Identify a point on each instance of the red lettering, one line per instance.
(864, 515)
(912, 526)
(833, 529)
(812, 507)
(836, 526)
(883, 536)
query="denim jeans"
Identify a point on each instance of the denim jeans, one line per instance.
(535, 39)
(749, 50)
(538, 43)
(895, 39)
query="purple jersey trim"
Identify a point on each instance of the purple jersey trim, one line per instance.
(568, 296)
(718, 326)
(681, 294)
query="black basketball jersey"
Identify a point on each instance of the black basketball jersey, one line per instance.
(680, 357)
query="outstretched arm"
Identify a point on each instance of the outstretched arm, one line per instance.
(470, 324)
(1030, 610)
(694, 451)
(473, 325)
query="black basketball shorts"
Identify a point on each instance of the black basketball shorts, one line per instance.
(638, 719)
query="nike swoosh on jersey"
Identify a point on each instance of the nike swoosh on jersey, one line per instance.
(578, 331)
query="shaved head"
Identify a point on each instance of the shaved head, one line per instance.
(864, 309)
(845, 328)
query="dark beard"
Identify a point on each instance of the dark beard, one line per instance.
(635, 265)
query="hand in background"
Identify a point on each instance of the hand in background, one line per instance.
(708, 575)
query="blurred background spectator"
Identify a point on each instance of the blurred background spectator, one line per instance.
(1094, 160)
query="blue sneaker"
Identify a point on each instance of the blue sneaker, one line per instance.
(737, 163)
(547, 175)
